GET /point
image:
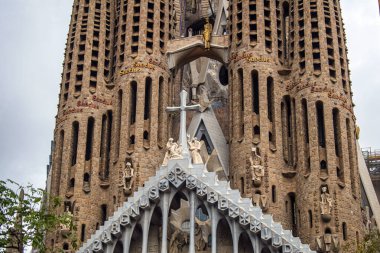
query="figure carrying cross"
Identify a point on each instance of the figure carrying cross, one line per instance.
(182, 132)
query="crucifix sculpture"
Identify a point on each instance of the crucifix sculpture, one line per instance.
(182, 132)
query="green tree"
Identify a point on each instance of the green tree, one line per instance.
(370, 243)
(27, 214)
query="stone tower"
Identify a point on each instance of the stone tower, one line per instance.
(290, 98)
(285, 113)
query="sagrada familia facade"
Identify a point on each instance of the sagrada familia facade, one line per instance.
(207, 126)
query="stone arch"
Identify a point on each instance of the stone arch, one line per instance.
(136, 240)
(224, 237)
(180, 56)
(245, 244)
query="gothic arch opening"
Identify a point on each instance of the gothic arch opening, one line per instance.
(224, 237)
(245, 244)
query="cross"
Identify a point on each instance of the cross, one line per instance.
(182, 132)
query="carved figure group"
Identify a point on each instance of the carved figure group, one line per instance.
(128, 178)
(195, 148)
(173, 151)
(178, 241)
(256, 168)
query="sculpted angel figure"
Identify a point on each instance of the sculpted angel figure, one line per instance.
(195, 148)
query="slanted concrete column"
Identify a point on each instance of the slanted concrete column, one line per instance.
(192, 222)
(235, 236)
(145, 232)
(126, 239)
(214, 227)
(165, 218)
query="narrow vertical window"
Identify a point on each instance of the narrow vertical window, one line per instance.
(74, 142)
(336, 125)
(160, 109)
(270, 97)
(83, 233)
(108, 143)
(255, 92)
(148, 95)
(241, 94)
(321, 124)
(242, 185)
(274, 194)
(344, 230)
(119, 117)
(103, 214)
(133, 102)
(310, 219)
(286, 28)
(350, 137)
(90, 138)
(59, 160)
(305, 120)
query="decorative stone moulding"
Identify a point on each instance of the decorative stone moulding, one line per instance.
(207, 188)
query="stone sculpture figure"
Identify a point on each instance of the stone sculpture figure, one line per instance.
(256, 168)
(195, 148)
(173, 151)
(128, 178)
(207, 34)
(326, 201)
(326, 204)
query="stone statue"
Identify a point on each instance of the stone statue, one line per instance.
(128, 178)
(256, 168)
(173, 151)
(195, 148)
(326, 203)
(207, 34)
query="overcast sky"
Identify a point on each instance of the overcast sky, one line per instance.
(32, 42)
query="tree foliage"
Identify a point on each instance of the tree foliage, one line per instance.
(25, 219)
(370, 243)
